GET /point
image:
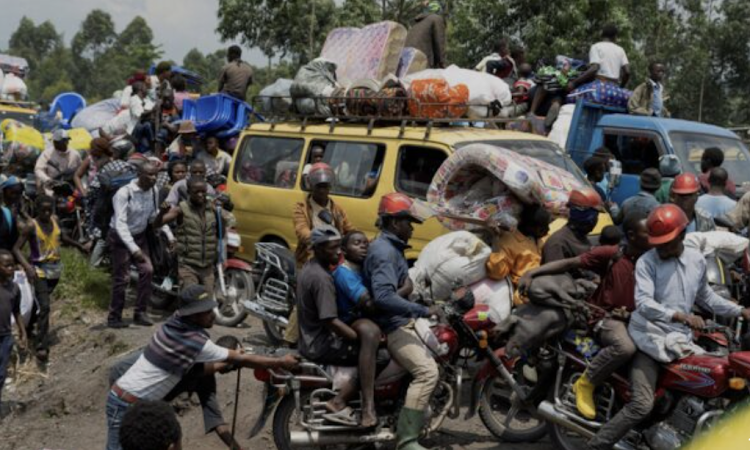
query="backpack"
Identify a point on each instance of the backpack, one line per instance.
(110, 183)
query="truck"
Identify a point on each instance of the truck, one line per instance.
(637, 142)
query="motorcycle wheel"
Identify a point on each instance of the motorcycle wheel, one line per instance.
(239, 284)
(274, 332)
(564, 439)
(285, 420)
(503, 415)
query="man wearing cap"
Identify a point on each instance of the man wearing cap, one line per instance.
(179, 343)
(644, 201)
(670, 279)
(326, 339)
(187, 143)
(56, 161)
(385, 271)
(684, 193)
(317, 210)
(669, 168)
(573, 239)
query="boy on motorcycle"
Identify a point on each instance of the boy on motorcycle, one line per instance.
(670, 279)
(616, 267)
(385, 271)
(325, 338)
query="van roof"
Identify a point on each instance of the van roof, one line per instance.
(450, 135)
(664, 126)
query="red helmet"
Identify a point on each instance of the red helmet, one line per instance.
(585, 198)
(687, 183)
(665, 223)
(320, 173)
(397, 205)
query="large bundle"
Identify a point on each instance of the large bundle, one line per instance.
(21, 145)
(483, 89)
(10, 64)
(13, 88)
(277, 97)
(316, 79)
(97, 115)
(458, 257)
(371, 52)
(503, 178)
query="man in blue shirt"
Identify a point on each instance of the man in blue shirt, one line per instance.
(385, 271)
(669, 279)
(715, 202)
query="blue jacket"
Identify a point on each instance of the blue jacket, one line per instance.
(384, 270)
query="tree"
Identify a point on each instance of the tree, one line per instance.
(207, 66)
(136, 44)
(357, 13)
(278, 28)
(34, 42)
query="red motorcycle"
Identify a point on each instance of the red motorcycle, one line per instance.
(691, 394)
(298, 399)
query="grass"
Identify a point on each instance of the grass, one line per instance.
(91, 286)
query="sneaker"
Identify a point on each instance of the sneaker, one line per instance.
(142, 320)
(117, 324)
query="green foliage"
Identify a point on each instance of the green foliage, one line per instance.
(207, 66)
(81, 281)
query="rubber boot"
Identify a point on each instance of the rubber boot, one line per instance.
(584, 391)
(410, 424)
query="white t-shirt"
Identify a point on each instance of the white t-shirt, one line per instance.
(610, 57)
(149, 382)
(219, 164)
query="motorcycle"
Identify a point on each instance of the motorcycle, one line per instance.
(691, 395)
(275, 277)
(69, 209)
(233, 284)
(297, 400)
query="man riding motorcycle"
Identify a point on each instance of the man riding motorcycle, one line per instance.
(385, 270)
(56, 162)
(616, 267)
(670, 279)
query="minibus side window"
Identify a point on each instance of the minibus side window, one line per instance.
(416, 167)
(269, 161)
(357, 166)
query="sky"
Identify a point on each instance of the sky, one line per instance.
(178, 25)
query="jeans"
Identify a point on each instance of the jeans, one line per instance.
(407, 349)
(43, 288)
(617, 350)
(116, 409)
(121, 259)
(6, 345)
(644, 373)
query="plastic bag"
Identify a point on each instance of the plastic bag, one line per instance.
(497, 296)
(316, 79)
(728, 246)
(561, 127)
(14, 88)
(27, 296)
(484, 89)
(97, 115)
(457, 257)
(280, 88)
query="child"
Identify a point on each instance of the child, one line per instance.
(43, 267)
(10, 306)
(352, 299)
(611, 235)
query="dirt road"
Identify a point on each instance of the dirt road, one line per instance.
(64, 409)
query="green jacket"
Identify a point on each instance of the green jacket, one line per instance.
(642, 100)
(197, 237)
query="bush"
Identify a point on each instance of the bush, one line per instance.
(91, 286)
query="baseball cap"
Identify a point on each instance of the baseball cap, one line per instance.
(669, 166)
(194, 299)
(60, 135)
(326, 233)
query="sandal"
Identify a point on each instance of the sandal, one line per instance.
(344, 417)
